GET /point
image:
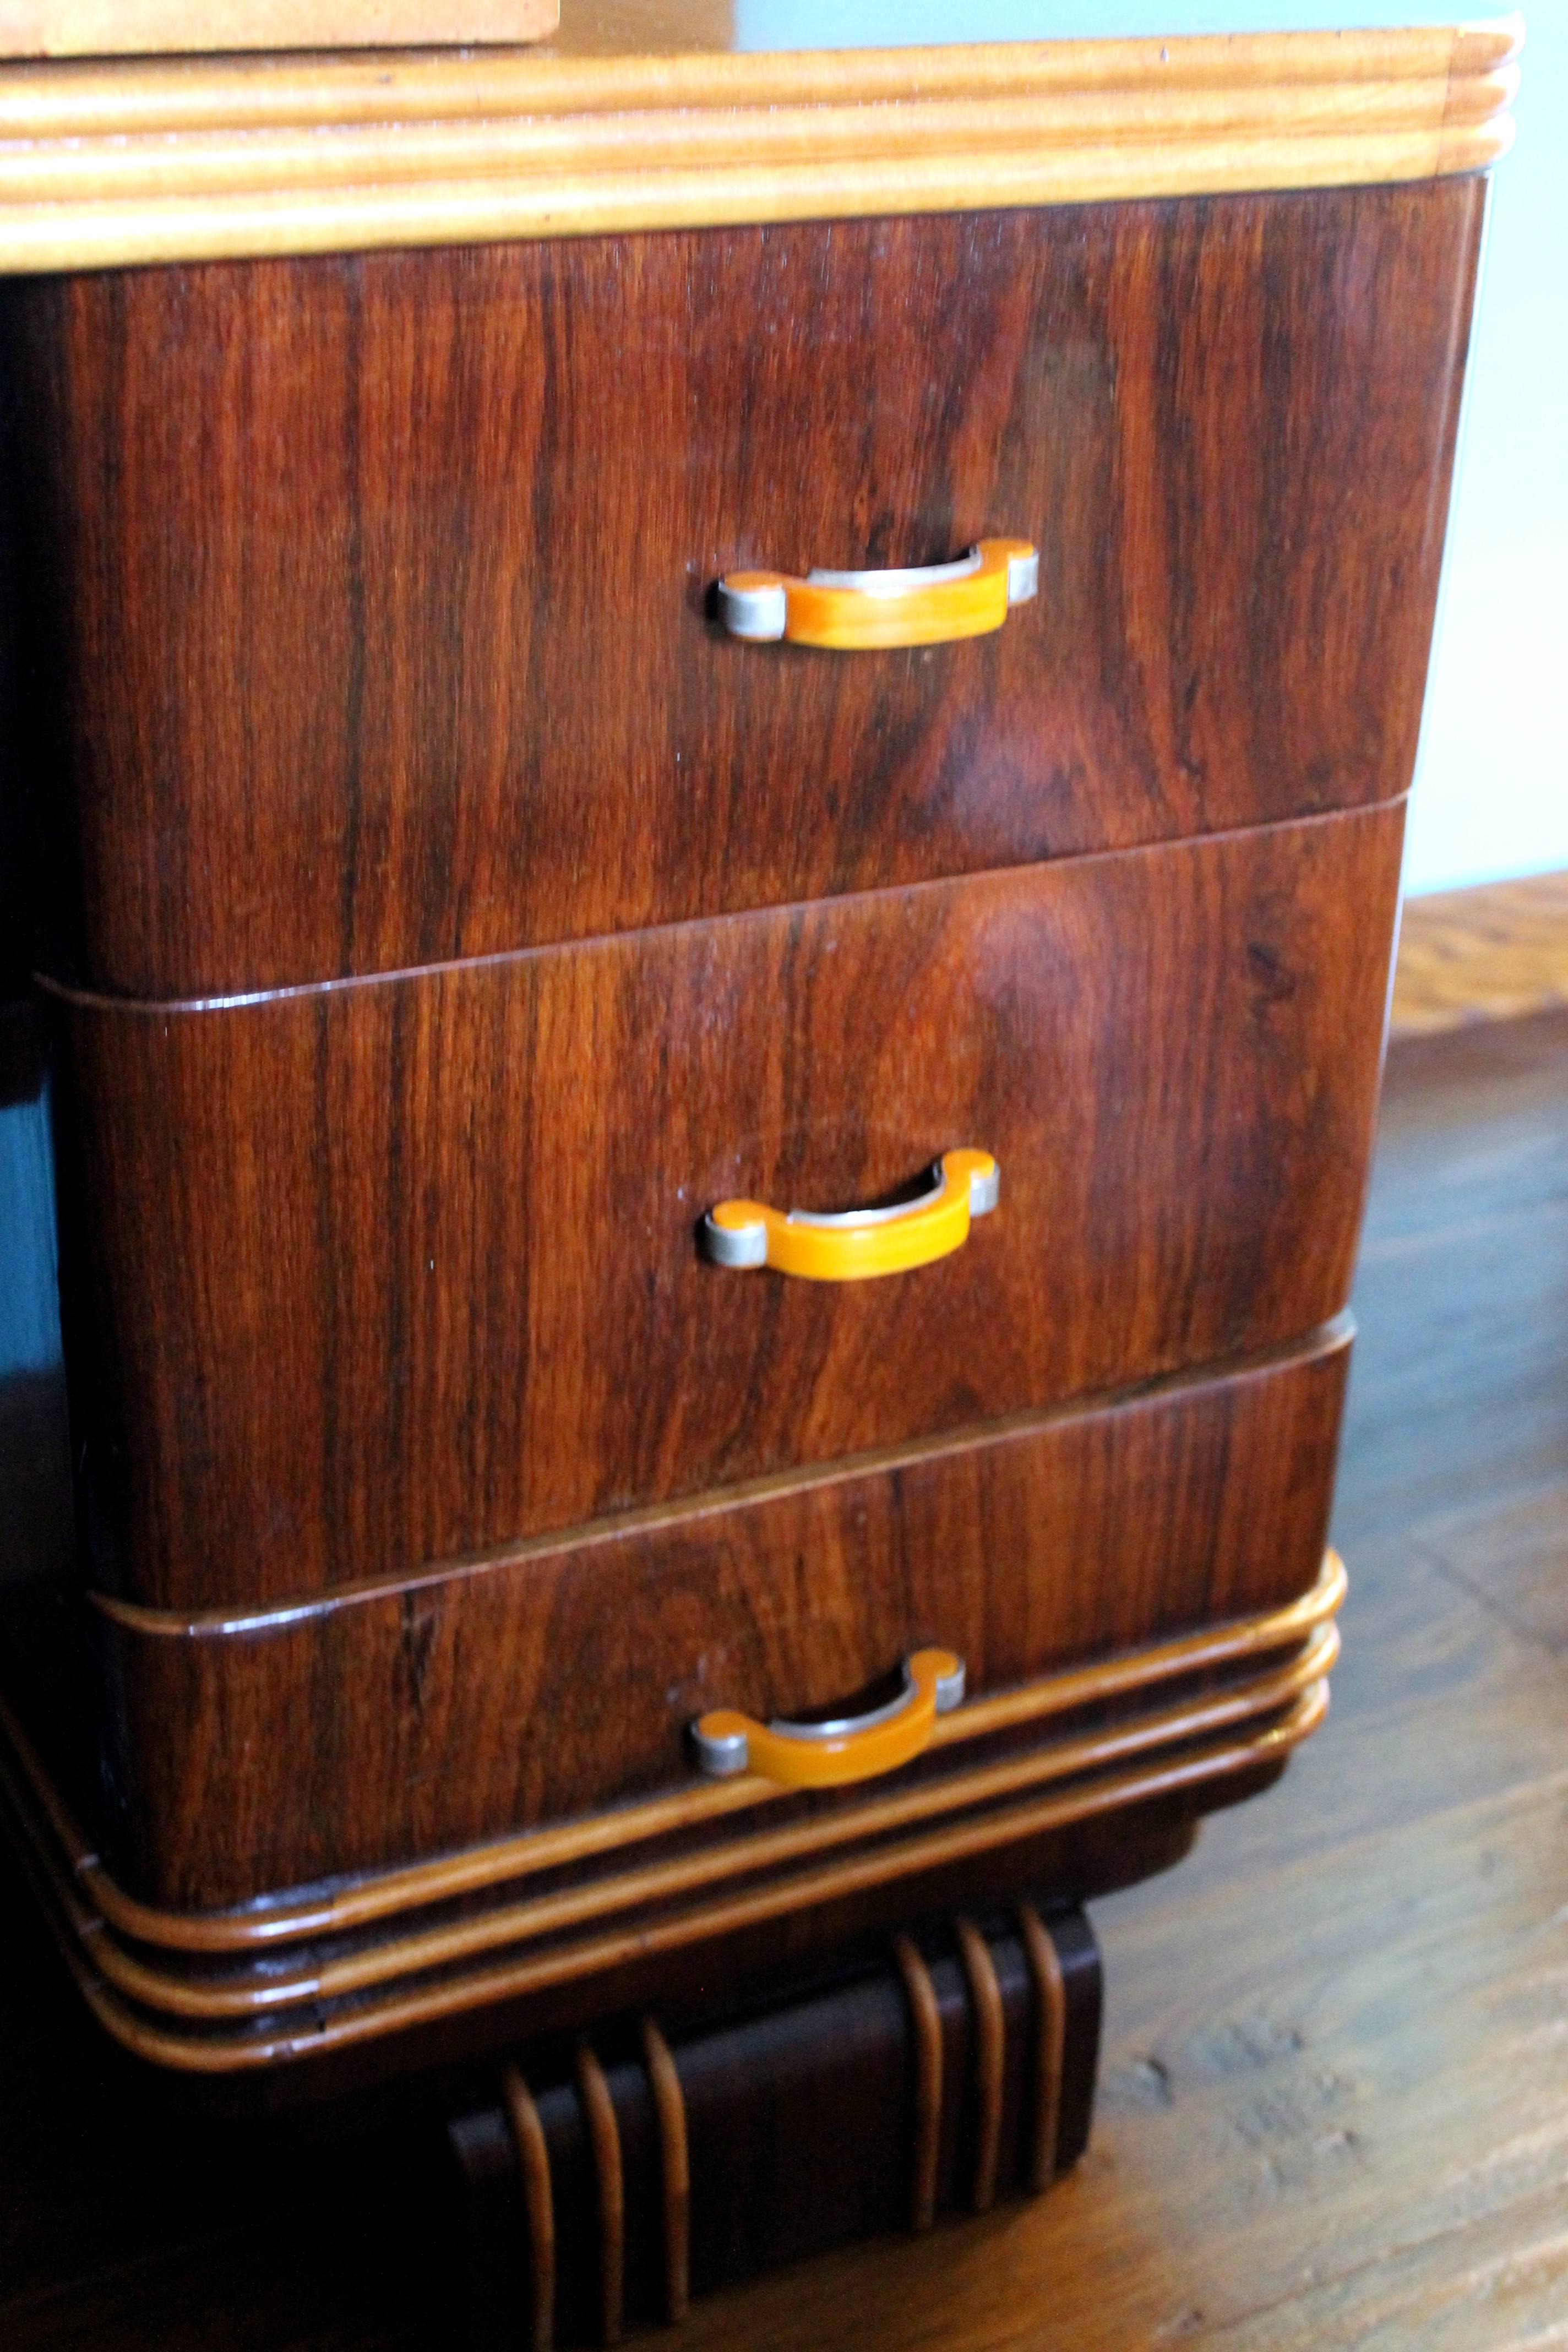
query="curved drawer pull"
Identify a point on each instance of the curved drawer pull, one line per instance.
(827, 1755)
(858, 1244)
(855, 610)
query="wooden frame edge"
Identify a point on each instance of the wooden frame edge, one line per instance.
(339, 1909)
(246, 1993)
(158, 2044)
(103, 166)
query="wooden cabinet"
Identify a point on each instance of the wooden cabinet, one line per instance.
(442, 912)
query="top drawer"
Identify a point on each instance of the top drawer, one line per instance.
(373, 593)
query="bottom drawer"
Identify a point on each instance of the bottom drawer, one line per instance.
(394, 1721)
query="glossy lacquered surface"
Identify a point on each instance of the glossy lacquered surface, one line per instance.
(366, 1276)
(371, 594)
(415, 1718)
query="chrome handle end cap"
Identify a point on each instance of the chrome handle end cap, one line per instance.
(950, 1690)
(723, 1757)
(758, 614)
(984, 1188)
(740, 1246)
(1023, 577)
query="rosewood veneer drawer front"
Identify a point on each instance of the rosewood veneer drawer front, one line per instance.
(366, 1276)
(409, 1719)
(372, 592)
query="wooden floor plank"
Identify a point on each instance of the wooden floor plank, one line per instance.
(1514, 1559)
(1502, 2281)
(1489, 953)
(1458, 1387)
(1286, 2109)
(1336, 2099)
(1425, 1659)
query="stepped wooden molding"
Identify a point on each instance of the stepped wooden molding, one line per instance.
(357, 1904)
(273, 2006)
(109, 164)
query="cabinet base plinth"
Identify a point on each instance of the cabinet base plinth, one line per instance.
(607, 2182)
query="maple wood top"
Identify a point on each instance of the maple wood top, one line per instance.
(647, 114)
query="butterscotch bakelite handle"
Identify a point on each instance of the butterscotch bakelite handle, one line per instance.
(851, 612)
(852, 1748)
(857, 1245)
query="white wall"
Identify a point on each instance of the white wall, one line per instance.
(1491, 784)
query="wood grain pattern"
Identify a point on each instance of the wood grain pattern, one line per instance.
(414, 1719)
(987, 2077)
(1160, 1738)
(344, 1907)
(360, 1285)
(1490, 953)
(1082, 1764)
(532, 2160)
(926, 2054)
(799, 2125)
(1046, 2138)
(654, 118)
(406, 657)
(982, 1854)
(609, 2189)
(674, 2170)
(1336, 2074)
(270, 1990)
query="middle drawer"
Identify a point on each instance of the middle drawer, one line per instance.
(383, 1273)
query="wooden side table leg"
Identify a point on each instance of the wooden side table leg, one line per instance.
(1051, 2010)
(670, 2104)
(988, 2030)
(539, 2205)
(656, 2160)
(926, 2020)
(605, 2138)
